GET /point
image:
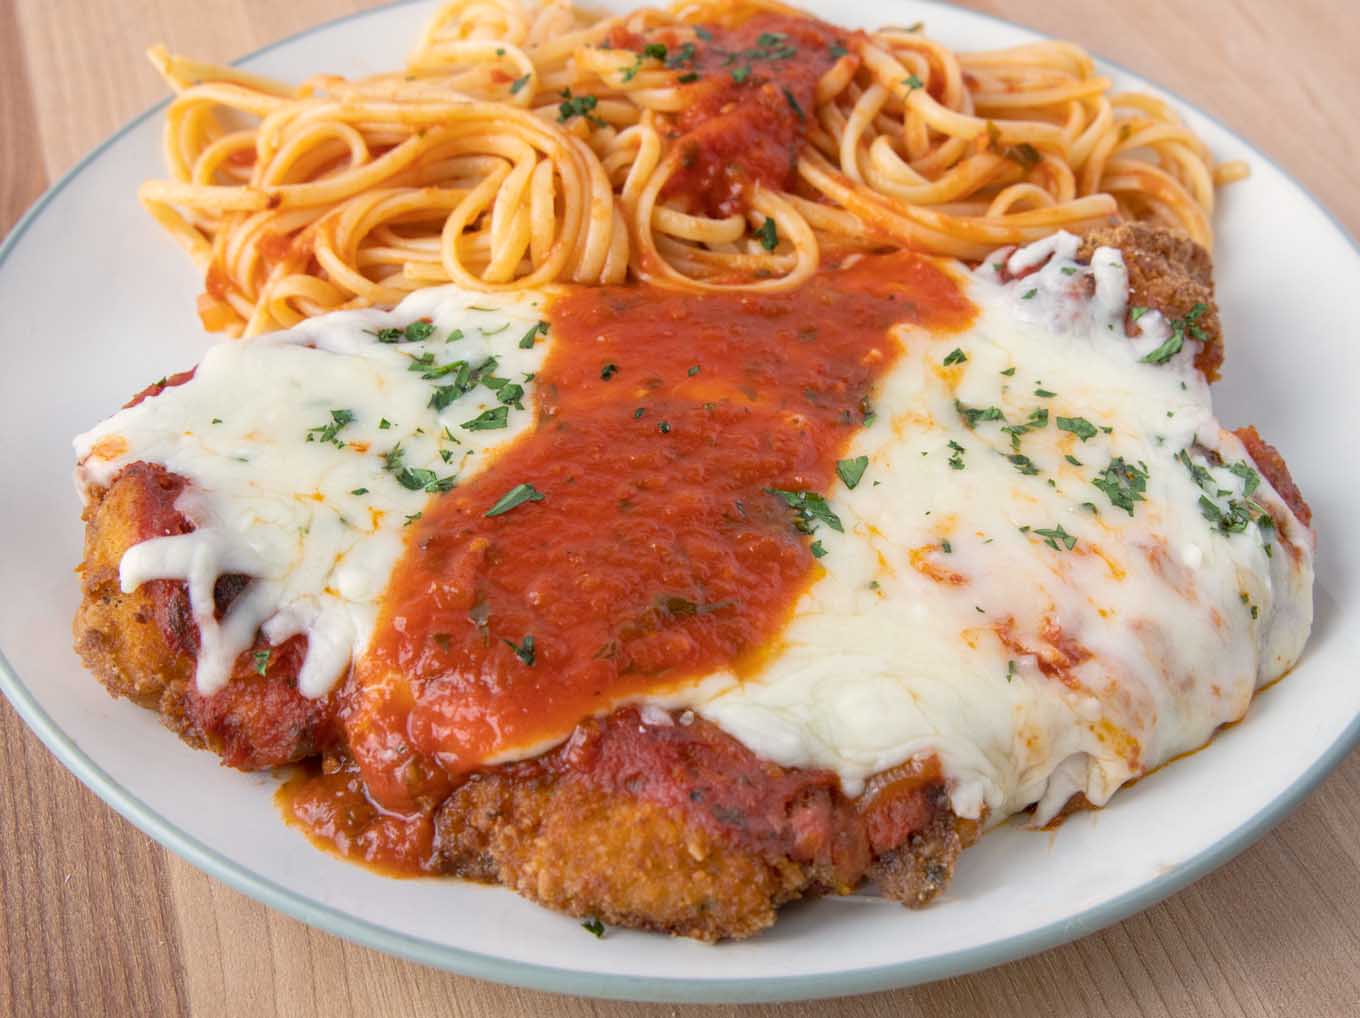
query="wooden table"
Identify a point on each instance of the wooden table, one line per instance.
(98, 919)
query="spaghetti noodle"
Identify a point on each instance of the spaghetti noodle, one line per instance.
(707, 146)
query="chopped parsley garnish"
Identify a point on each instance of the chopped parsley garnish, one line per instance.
(1180, 328)
(593, 926)
(416, 332)
(516, 496)
(955, 356)
(1233, 521)
(1136, 313)
(466, 379)
(657, 50)
(359, 491)
(524, 650)
(488, 420)
(1043, 393)
(328, 432)
(1010, 667)
(1072, 459)
(793, 105)
(413, 478)
(1200, 475)
(494, 332)
(1055, 535)
(850, 471)
(689, 78)
(684, 54)
(837, 50)
(1023, 464)
(768, 235)
(420, 479)
(693, 370)
(510, 393)
(972, 416)
(817, 550)
(1123, 483)
(217, 420)
(526, 341)
(1251, 480)
(772, 44)
(384, 424)
(1037, 419)
(740, 74)
(956, 457)
(518, 84)
(261, 659)
(1078, 426)
(412, 518)
(1008, 372)
(946, 547)
(1029, 294)
(810, 508)
(664, 427)
(913, 83)
(608, 371)
(578, 106)
(637, 414)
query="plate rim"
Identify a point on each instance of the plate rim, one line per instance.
(649, 988)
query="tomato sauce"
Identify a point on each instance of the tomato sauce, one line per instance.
(657, 553)
(749, 108)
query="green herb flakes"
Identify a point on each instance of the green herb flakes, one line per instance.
(1123, 483)
(809, 508)
(850, 471)
(1078, 426)
(1055, 536)
(768, 235)
(516, 496)
(524, 650)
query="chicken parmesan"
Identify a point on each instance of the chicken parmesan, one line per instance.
(666, 608)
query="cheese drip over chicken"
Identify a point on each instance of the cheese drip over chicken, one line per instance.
(1056, 569)
(309, 452)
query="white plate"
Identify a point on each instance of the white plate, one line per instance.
(97, 302)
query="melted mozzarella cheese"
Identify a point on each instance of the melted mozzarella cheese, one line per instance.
(988, 603)
(315, 519)
(972, 555)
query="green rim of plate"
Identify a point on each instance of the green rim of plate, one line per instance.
(649, 988)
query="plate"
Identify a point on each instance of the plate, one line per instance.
(97, 301)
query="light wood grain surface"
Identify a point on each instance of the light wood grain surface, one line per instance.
(99, 920)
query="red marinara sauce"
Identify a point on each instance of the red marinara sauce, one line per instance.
(749, 106)
(657, 553)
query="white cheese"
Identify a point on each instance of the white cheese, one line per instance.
(318, 524)
(970, 553)
(1179, 622)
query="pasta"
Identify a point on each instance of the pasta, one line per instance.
(526, 144)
